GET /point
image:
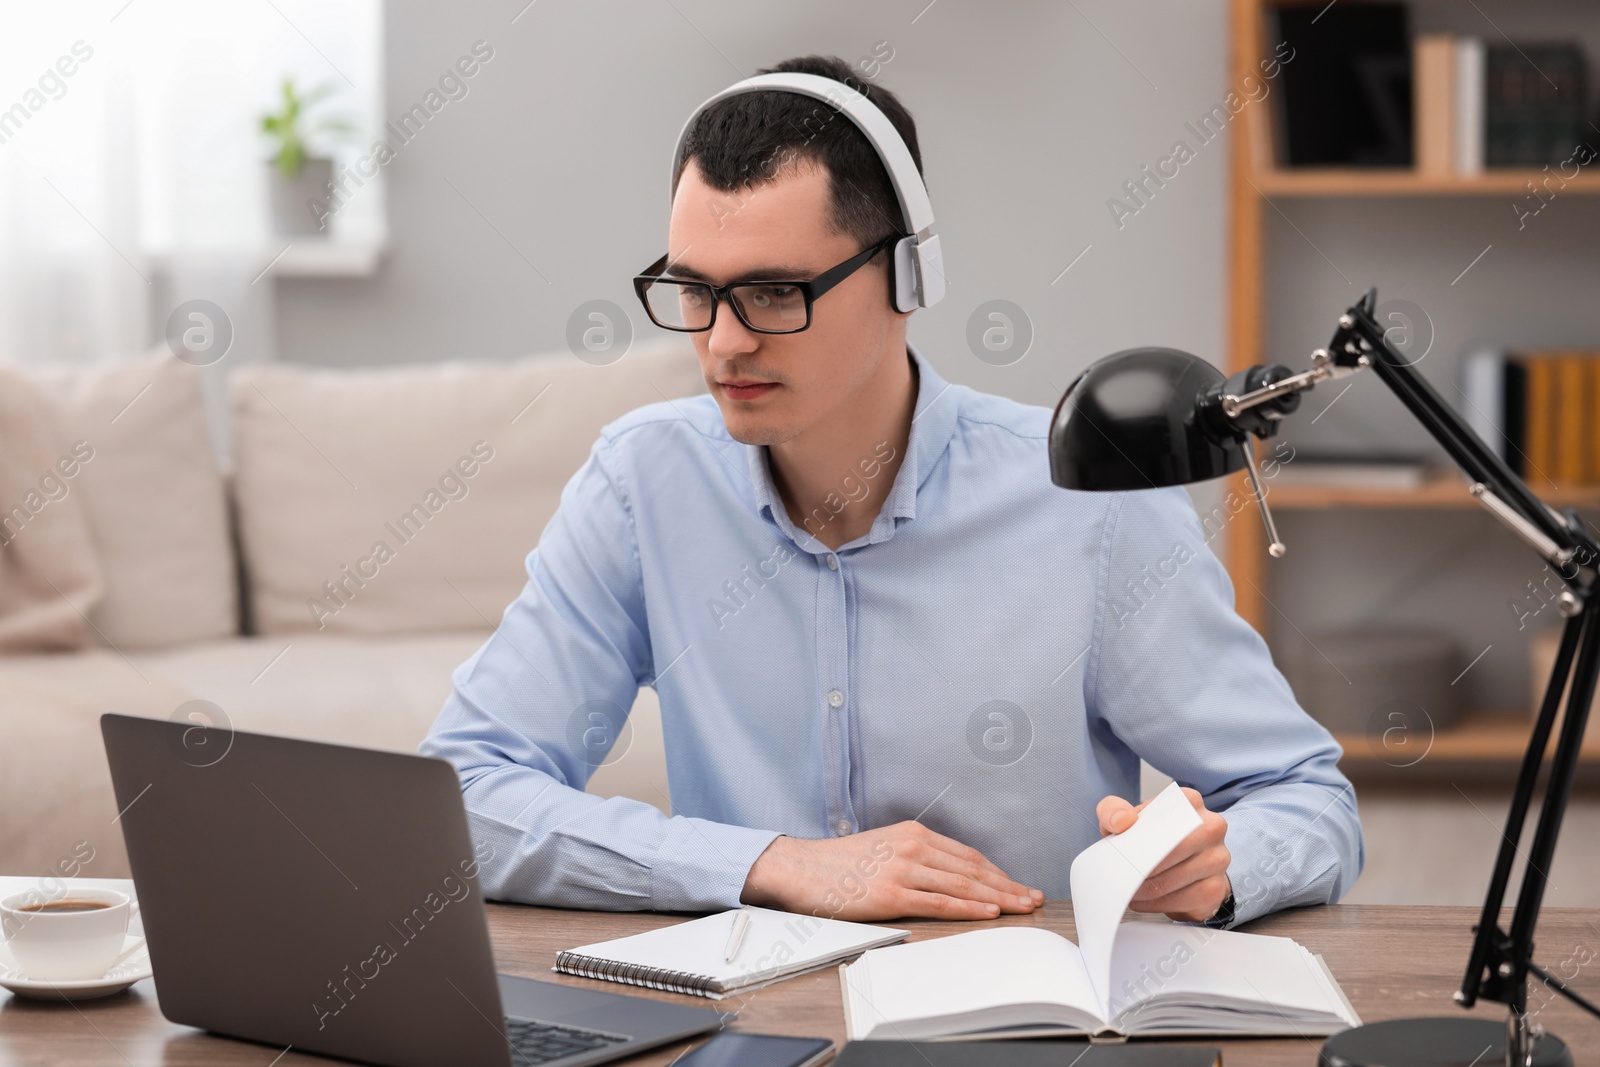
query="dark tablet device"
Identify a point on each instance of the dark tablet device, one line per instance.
(729, 1049)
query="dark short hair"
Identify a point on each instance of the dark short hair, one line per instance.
(753, 138)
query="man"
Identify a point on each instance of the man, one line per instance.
(900, 672)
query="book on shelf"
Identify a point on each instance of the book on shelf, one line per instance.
(1538, 411)
(1450, 104)
(1345, 98)
(1534, 100)
(1497, 105)
(1123, 979)
(1361, 91)
(1592, 385)
(1354, 470)
(1540, 428)
(1494, 401)
(1468, 110)
(1433, 65)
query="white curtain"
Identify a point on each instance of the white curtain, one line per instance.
(132, 169)
(74, 279)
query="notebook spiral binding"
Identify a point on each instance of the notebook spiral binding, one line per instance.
(637, 974)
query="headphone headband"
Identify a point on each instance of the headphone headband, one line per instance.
(917, 260)
(915, 208)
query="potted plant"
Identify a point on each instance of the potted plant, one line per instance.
(297, 177)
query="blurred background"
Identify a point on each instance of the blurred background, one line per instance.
(282, 196)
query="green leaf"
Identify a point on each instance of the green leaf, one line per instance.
(335, 125)
(289, 126)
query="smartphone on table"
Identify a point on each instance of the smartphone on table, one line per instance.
(732, 1049)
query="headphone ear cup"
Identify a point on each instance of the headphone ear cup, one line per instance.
(903, 275)
(930, 271)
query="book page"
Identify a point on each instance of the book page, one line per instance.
(960, 977)
(1164, 971)
(1105, 876)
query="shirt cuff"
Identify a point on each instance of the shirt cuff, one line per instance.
(1256, 867)
(702, 865)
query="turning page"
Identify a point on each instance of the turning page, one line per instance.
(1105, 876)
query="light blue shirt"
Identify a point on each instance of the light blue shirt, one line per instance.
(991, 658)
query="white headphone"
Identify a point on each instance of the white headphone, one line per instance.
(917, 267)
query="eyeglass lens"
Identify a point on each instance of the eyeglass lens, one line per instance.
(687, 305)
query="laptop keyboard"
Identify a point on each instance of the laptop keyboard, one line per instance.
(535, 1042)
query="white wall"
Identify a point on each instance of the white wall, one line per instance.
(1031, 115)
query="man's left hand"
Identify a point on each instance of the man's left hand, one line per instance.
(1192, 882)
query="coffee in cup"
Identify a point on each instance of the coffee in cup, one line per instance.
(79, 937)
(57, 907)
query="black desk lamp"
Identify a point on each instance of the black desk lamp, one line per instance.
(1151, 417)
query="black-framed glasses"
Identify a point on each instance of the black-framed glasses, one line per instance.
(763, 306)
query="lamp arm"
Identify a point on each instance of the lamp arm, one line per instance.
(1360, 342)
(1252, 403)
(1500, 962)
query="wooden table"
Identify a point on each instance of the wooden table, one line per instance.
(1391, 961)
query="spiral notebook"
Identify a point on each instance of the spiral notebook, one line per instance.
(687, 957)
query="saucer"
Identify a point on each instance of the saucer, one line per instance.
(115, 980)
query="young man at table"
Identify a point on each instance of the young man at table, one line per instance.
(900, 672)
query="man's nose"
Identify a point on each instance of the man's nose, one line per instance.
(728, 337)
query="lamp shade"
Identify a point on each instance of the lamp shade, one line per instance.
(1135, 420)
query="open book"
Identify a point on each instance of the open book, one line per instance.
(1122, 978)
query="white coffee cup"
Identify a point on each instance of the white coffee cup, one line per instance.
(76, 937)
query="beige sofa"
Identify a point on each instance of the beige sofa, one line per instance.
(372, 529)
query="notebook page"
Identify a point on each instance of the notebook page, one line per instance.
(775, 943)
(1105, 876)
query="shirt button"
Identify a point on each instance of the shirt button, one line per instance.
(842, 828)
(835, 698)
(833, 562)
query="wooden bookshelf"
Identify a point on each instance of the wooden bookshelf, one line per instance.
(1255, 180)
(1489, 738)
(1445, 491)
(1328, 182)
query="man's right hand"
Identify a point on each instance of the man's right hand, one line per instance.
(894, 872)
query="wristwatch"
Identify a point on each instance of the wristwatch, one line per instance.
(1224, 914)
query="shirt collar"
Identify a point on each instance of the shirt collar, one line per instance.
(933, 423)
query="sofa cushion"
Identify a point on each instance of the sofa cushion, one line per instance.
(154, 497)
(55, 789)
(48, 575)
(407, 498)
(381, 692)
(378, 692)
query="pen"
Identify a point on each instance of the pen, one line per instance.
(741, 922)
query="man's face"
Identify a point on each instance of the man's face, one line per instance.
(779, 231)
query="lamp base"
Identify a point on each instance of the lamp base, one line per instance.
(1437, 1042)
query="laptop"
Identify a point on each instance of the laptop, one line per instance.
(326, 897)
